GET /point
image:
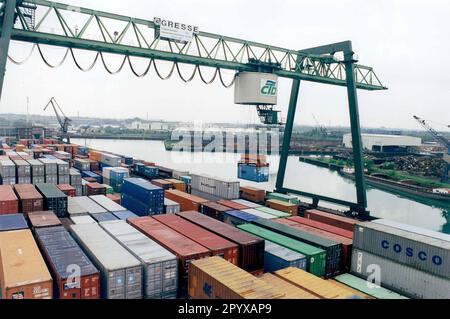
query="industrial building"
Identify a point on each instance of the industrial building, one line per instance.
(383, 142)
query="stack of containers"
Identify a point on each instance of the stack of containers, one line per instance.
(184, 248)
(117, 176)
(110, 160)
(9, 204)
(54, 199)
(23, 172)
(7, 172)
(177, 174)
(146, 171)
(164, 172)
(259, 214)
(75, 181)
(218, 188)
(141, 197)
(106, 175)
(177, 184)
(253, 168)
(187, 201)
(121, 272)
(171, 207)
(81, 164)
(63, 172)
(18, 250)
(51, 170)
(232, 205)
(62, 155)
(95, 189)
(412, 264)
(37, 171)
(30, 200)
(160, 265)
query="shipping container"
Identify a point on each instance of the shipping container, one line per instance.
(125, 215)
(289, 290)
(232, 205)
(9, 204)
(400, 278)
(178, 174)
(138, 207)
(38, 180)
(187, 179)
(215, 278)
(66, 222)
(51, 179)
(62, 167)
(23, 168)
(253, 173)
(54, 199)
(7, 168)
(251, 248)
(89, 205)
(142, 191)
(37, 168)
(50, 166)
(103, 217)
(331, 247)
(223, 188)
(74, 208)
(88, 174)
(177, 184)
(43, 219)
(82, 219)
(424, 253)
(160, 265)
(274, 212)
(114, 198)
(316, 257)
(30, 199)
(121, 272)
(253, 194)
(64, 256)
(323, 226)
(107, 203)
(67, 189)
(283, 206)
(331, 219)
(283, 197)
(82, 164)
(218, 245)
(187, 201)
(359, 294)
(12, 222)
(259, 213)
(277, 257)
(324, 289)
(171, 207)
(247, 203)
(184, 248)
(209, 197)
(238, 217)
(367, 287)
(214, 210)
(164, 184)
(95, 189)
(18, 280)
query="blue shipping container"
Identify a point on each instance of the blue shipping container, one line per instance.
(143, 191)
(138, 207)
(277, 257)
(237, 217)
(97, 177)
(12, 222)
(124, 215)
(253, 173)
(186, 179)
(127, 160)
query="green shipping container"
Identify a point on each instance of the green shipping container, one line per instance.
(274, 212)
(316, 257)
(368, 288)
(285, 198)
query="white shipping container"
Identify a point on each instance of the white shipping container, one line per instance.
(75, 209)
(121, 272)
(89, 205)
(413, 229)
(50, 166)
(223, 188)
(107, 203)
(247, 203)
(111, 160)
(171, 207)
(51, 179)
(63, 179)
(160, 265)
(23, 180)
(8, 180)
(82, 219)
(405, 280)
(7, 168)
(38, 179)
(106, 172)
(259, 213)
(23, 168)
(37, 168)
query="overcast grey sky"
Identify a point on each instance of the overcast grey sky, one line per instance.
(407, 43)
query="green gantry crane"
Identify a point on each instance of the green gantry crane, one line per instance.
(318, 64)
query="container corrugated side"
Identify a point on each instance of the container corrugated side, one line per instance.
(223, 188)
(275, 212)
(259, 213)
(12, 222)
(331, 219)
(247, 203)
(238, 217)
(121, 271)
(107, 203)
(403, 279)
(73, 208)
(160, 265)
(323, 226)
(277, 257)
(224, 280)
(89, 205)
(289, 290)
(418, 251)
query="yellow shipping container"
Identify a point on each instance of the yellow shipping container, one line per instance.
(23, 273)
(290, 291)
(216, 278)
(317, 286)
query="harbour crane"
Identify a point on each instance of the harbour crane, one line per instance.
(438, 137)
(64, 121)
(321, 128)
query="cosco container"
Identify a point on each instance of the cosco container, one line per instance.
(160, 265)
(64, 256)
(215, 278)
(259, 213)
(277, 257)
(316, 257)
(18, 280)
(218, 246)
(43, 219)
(89, 205)
(251, 248)
(103, 217)
(247, 203)
(12, 222)
(214, 210)
(400, 278)
(54, 199)
(121, 272)
(238, 217)
(331, 219)
(289, 290)
(421, 252)
(184, 248)
(187, 201)
(171, 207)
(331, 247)
(125, 215)
(9, 204)
(324, 289)
(107, 203)
(323, 226)
(30, 199)
(224, 188)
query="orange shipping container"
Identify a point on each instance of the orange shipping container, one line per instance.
(253, 194)
(177, 184)
(23, 273)
(283, 206)
(95, 155)
(187, 201)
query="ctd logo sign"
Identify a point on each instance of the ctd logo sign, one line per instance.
(268, 87)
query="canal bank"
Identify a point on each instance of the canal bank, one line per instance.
(299, 175)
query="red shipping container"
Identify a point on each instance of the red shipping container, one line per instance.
(184, 248)
(251, 248)
(331, 219)
(326, 227)
(90, 179)
(233, 205)
(216, 244)
(95, 189)
(9, 203)
(114, 198)
(346, 244)
(30, 199)
(187, 201)
(45, 218)
(67, 189)
(253, 194)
